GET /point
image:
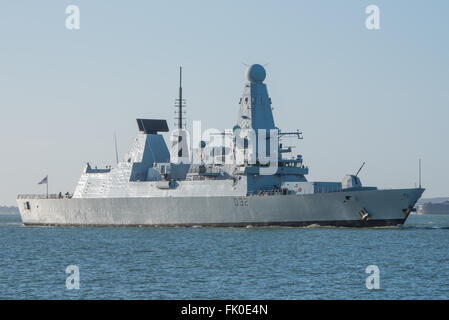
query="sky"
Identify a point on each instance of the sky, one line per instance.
(358, 95)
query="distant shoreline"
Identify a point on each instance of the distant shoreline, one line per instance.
(432, 200)
(6, 209)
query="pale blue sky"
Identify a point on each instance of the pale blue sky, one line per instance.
(358, 95)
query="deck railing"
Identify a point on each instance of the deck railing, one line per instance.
(43, 196)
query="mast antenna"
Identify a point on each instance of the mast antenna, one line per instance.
(179, 102)
(179, 105)
(420, 173)
(116, 150)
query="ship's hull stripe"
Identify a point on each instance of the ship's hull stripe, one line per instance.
(338, 223)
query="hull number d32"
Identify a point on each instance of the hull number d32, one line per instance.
(240, 201)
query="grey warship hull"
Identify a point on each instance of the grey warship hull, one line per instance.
(385, 208)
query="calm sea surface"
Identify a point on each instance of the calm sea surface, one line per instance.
(225, 263)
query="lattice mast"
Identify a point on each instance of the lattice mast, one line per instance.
(180, 104)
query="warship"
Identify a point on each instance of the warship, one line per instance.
(250, 180)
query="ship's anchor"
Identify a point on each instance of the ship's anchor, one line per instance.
(364, 214)
(407, 211)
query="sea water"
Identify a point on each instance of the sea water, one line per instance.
(225, 263)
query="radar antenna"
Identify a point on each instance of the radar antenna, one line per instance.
(296, 133)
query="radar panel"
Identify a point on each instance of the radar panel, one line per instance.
(152, 126)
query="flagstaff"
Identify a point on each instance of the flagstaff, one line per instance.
(45, 181)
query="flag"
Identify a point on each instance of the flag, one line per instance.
(44, 181)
